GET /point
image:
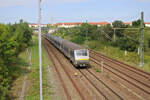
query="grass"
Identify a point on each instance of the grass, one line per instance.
(33, 77)
(131, 58)
(97, 70)
(107, 75)
(19, 69)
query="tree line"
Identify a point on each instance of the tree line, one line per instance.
(126, 37)
(14, 39)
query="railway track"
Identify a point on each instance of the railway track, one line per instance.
(107, 95)
(78, 92)
(58, 73)
(140, 72)
(121, 71)
(104, 93)
(90, 85)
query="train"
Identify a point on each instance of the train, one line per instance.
(78, 55)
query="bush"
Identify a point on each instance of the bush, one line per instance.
(149, 43)
(78, 39)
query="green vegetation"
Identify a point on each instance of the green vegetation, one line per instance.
(20, 72)
(14, 39)
(34, 91)
(102, 39)
(97, 70)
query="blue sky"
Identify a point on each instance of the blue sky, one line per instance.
(74, 10)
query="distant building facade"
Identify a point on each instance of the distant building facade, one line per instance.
(36, 29)
(36, 25)
(74, 24)
(128, 23)
(147, 24)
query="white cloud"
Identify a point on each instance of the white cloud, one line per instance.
(6, 3)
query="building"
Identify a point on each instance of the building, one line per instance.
(128, 23)
(99, 23)
(36, 29)
(73, 24)
(147, 24)
(36, 25)
(33, 25)
(68, 25)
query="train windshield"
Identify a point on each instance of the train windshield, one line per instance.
(81, 53)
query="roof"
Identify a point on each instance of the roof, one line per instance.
(127, 23)
(98, 23)
(67, 43)
(74, 23)
(79, 23)
(37, 24)
(33, 24)
(147, 23)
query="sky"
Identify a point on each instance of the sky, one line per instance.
(54, 11)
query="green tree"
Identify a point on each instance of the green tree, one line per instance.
(136, 23)
(106, 32)
(13, 40)
(129, 41)
(23, 36)
(119, 24)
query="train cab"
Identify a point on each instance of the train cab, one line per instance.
(81, 57)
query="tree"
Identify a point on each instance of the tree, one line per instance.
(7, 56)
(137, 23)
(106, 32)
(23, 36)
(149, 43)
(119, 24)
(129, 41)
(13, 40)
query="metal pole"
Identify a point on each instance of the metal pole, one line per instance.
(86, 35)
(40, 51)
(141, 40)
(114, 34)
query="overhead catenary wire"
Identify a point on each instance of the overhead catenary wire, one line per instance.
(110, 38)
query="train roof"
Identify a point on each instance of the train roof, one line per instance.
(72, 45)
(67, 43)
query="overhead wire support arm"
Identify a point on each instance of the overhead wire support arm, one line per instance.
(86, 34)
(114, 36)
(127, 28)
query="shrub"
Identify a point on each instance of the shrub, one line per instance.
(78, 39)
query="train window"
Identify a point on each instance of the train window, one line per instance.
(81, 53)
(84, 53)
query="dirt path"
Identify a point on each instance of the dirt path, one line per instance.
(22, 93)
